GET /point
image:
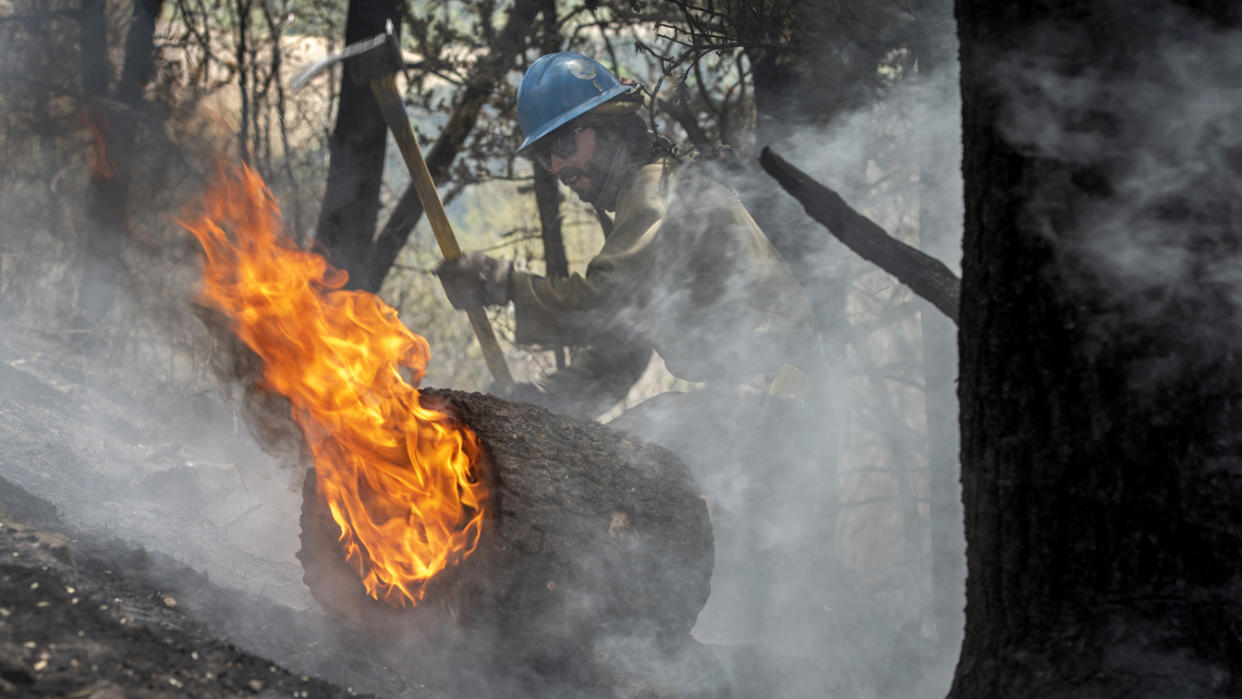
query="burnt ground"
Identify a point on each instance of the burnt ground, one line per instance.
(91, 618)
(146, 548)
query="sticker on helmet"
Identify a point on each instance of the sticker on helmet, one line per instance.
(582, 70)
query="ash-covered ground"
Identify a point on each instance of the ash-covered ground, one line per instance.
(146, 549)
(84, 617)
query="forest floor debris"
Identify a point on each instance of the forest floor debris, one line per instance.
(82, 619)
(174, 538)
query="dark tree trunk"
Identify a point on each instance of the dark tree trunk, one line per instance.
(487, 75)
(1101, 402)
(105, 207)
(548, 201)
(596, 536)
(115, 121)
(241, 54)
(351, 203)
(547, 189)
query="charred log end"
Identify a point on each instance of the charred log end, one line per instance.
(594, 535)
(332, 582)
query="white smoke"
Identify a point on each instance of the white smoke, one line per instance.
(838, 610)
(1165, 145)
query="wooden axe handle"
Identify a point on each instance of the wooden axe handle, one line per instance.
(385, 89)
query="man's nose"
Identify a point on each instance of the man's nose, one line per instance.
(556, 164)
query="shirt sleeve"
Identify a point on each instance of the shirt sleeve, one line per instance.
(574, 310)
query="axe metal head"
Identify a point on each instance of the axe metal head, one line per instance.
(370, 58)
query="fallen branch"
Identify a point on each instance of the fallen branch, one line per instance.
(925, 275)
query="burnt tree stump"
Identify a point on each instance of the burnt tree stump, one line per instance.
(595, 535)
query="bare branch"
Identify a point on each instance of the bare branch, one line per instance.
(925, 275)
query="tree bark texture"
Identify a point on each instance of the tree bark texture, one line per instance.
(350, 207)
(596, 535)
(1101, 408)
(924, 274)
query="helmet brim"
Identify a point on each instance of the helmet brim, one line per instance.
(572, 114)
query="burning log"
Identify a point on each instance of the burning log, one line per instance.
(430, 513)
(593, 534)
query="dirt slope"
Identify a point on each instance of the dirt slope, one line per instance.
(83, 618)
(146, 547)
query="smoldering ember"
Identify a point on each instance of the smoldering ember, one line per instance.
(618, 350)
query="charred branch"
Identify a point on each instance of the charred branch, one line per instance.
(925, 275)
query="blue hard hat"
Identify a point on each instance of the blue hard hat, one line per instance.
(559, 87)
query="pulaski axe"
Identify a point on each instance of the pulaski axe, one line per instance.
(376, 61)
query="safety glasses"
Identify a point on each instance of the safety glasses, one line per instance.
(562, 143)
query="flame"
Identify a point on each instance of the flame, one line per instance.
(399, 479)
(101, 165)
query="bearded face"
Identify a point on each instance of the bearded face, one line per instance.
(586, 159)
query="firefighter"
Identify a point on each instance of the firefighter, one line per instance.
(685, 271)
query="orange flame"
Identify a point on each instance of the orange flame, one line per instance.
(398, 478)
(101, 165)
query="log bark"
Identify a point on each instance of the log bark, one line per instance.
(925, 275)
(595, 535)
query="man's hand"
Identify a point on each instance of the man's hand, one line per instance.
(474, 280)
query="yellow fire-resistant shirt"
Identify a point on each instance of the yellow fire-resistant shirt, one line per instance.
(686, 271)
